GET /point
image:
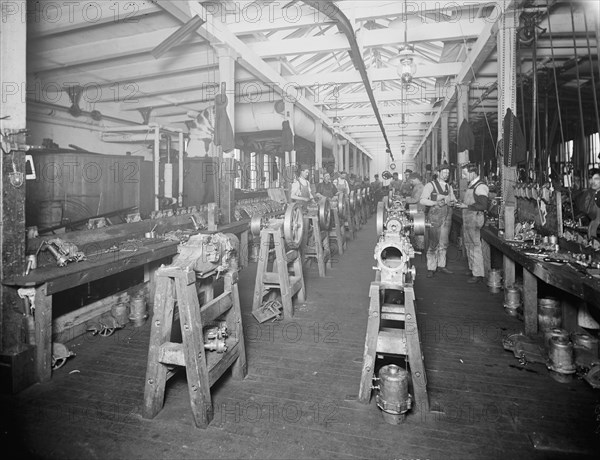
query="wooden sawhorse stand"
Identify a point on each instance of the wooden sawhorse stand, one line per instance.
(320, 251)
(349, 216)
(278, 277)
(337, 234)
(401, 341)
(203, 368)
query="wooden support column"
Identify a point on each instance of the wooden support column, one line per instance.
(354, 158)
(290, 157)
(318, 150)
(462, 114)
(530, 288)
(434, 148)
(507, 98)
(335, 150)
(445, 139)
(226, 164)
(13, 39)
(346, 148)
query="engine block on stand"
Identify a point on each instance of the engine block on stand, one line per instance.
(392, 299)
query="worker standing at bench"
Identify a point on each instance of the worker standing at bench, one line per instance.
(439, 198)
(473, 206)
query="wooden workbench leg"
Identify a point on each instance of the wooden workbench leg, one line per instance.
(43, 333)
(487, 257)
(263, 259)
(530, 302)
(239, 369)
(370, 352)
(509, 271)
(193, 350)
(156, 372)
(244, 249)
(326, 249)
(319, 248)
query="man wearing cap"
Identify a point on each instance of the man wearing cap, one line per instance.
(395, 184)
(439, 198)
(474, 204)
(406, 188)
(326, 188)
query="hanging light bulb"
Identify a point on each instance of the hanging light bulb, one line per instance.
(407, 67)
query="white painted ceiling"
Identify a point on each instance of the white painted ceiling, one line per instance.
(106, 47)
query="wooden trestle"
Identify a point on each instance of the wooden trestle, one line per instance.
(203, 368)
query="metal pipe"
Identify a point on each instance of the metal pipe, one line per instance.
(344, 25)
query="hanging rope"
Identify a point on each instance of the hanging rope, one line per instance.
(578, 79)
(587, 37)
(562, 133)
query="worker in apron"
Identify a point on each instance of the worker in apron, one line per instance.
(474, 204)
(301, 192)
(439, 198)
(418, 241)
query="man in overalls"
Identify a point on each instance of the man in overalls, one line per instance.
(301, 192)
(439, 198)
(474, 204)
(326, 188)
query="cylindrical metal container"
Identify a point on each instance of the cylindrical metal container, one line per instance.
(554, 332)
(393, 398)
(585, 341)
(560, 355)
(495, 280)
(512, 300)
(549, 313)
(120, 312)
(138, 310)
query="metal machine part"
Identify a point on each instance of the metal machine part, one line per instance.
(60, 354)
(214, 338)
(393, 216)
(393, 397)
(209, 254)
(64, 252)
(292, 225)
(560, 355)
(393, 253)
(322, 209)
(339, 202)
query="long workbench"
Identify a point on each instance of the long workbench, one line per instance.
(50, 279)
(565, 277)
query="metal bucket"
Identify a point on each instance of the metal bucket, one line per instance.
(50, 213)
(554, 332)
(495, 280)
(512, 300)
(120, 312)
(138, 310)
(561, 355)
(549, 313)
(585, 341)
(393, 397)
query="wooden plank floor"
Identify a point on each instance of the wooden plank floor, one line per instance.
(298, 400)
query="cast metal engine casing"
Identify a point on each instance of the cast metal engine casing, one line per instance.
(209, 254)
(393, 253)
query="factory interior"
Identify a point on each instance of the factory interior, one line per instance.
(301, 229)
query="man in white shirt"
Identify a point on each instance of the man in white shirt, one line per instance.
(300, 192)
(474, 205)
(342, 184)
(439, 198)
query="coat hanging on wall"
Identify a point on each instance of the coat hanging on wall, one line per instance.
(466, 141)
(287, 137)
(223, 128)
(512, 132)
